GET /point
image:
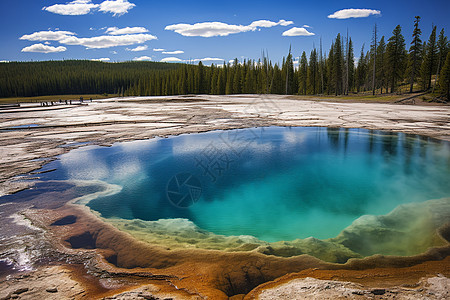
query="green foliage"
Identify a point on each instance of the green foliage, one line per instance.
(396, 57)
(361, 71)
(27, 79)
(415, 52)
(303, 74)
(444, 78)
(429, 64)
(381, 65)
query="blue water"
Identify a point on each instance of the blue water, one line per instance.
(274, 183)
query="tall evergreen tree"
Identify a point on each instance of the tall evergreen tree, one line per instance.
(289, 71)
(396, 56)
(430, 59)
(351, 66)
(444, 78)
(415, 53)
(442, 45)
(381, 64)
(303, 74)
(337, 65)
(361, 71)
(374, 57)
(313, 72)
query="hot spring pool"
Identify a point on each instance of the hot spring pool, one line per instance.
(267, 185)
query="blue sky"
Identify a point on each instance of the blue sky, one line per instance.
(110, 29)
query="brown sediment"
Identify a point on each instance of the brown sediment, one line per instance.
(388, 277)
(213, 273)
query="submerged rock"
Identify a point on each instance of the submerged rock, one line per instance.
(410, 229)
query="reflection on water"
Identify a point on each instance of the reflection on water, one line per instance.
(273, 183)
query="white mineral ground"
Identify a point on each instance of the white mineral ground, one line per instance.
(84, 274)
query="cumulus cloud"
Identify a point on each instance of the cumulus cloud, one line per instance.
(142, 58)
(101, 59)
(209, 59)
(173, 52)
(295, 31)
(4, 61)
(107, 41)
(158, 49)
(47, 35)
(210, 29)
(353, 13)
(171, 59)
(268, 24)
(83, 7)
(116, 7)
(74, 8)
(138, 48)
(126, 30)
(41, 48)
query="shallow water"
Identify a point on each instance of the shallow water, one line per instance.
(274, 183)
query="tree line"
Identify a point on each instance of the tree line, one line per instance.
(382, 68)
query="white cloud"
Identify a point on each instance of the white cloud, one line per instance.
(126, 30)
(101, 59)
(158, 49)
(171, 59)
(306, 26)
(107, 41)
(138, 48)
(83, 7)
(4, 61)
(41, 48)
(113, 52)
(47, 35)
(117, 7)
(74, 8)
(142, 58)
(208, 59)
(207, 29)
(173, 52)
(210, 29)
(295, 31)
(268, 24)
(353, 13)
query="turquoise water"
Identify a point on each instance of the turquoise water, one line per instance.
(274, 183)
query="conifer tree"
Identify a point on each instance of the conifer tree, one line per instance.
(396, 56)
(381, 65)
(444, 78)
(289, 71)
(361, 70)
(442, 45)
(313, 74)
(415, 53)
(330, 65)
(337, 66)
(373, 57)
(303, 74)
(351, 66)
(430, 59)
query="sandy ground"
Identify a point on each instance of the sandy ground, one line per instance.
(33, 135)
